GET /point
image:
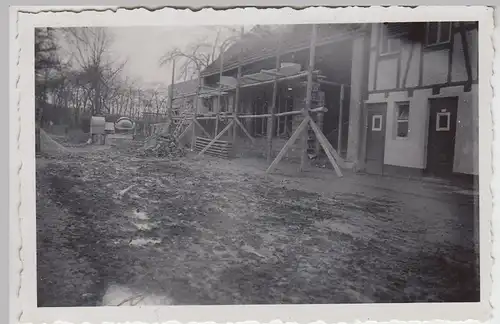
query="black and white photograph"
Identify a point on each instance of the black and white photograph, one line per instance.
(258, 164)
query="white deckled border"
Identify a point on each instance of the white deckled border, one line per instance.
(22, 166)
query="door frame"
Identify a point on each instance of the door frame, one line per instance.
(427, 128)
(367, 124)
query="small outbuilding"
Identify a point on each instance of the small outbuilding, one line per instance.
(98, 129)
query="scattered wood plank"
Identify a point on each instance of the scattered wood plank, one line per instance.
(217, 137)
(220, 149)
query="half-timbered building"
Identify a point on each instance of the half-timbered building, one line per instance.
(421, 108)
(400, 98)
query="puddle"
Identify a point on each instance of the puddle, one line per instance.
(140, 220)
(144, 241)
(117, 295)
(145, 226)
(135, 214)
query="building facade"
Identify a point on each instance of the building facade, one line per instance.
(420, 112)
(402, 98)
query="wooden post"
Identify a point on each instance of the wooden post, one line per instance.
(171, 100)
(305, 110)
(272, 108)
(320, 117)
(278, 130)
(195, 113)
(341, 122)
(237, 94)
(221, 70)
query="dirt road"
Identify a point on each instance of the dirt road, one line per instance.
(220, 232)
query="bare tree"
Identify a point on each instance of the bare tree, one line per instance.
(90, 51)
(47, 64)
(199, 54)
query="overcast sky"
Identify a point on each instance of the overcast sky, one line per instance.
(144, 46)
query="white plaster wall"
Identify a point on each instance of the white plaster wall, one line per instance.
(435, 63)
(411, 151)
(371, 73)
(435, 69)
(458, 69)
(467, 136)
(387, 73)
(413, 71)
(472, 39)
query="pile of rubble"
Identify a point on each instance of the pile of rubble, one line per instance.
(162, 145)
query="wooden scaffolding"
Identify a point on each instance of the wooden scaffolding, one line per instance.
(216, 146)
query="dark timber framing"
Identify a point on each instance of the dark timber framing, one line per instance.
(468, 67)
(407, 68)
(401, 83)
(450, 52)
(398, 67)
(430, 86)
(378, 39)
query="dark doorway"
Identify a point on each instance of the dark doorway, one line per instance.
(375, 138)
(260, 106)
(441, 139)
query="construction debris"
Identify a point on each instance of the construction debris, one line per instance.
(163, 145)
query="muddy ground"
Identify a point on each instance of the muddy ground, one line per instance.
(213, 231)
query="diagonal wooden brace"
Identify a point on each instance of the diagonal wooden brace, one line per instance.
(202, 128)
(238, 122)
(289, 143)
(324, 143)
(185, 131)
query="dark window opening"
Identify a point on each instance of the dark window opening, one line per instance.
(403, 119)
(377, 123)
(390, 40)
(443, 122)
(438, 33)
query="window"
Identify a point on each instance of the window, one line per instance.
(438, 33)
(390, 43)
(442, 121)
(376, 123)
(403, 119)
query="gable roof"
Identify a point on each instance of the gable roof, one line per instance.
(260, 44)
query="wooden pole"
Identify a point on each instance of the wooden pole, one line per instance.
(278, 130)
(221, 70)
(171, 100)
(238, 85)
(195, 113)
(185, 131)
(272, 108)
(341, 122)
(305, 135)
